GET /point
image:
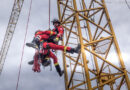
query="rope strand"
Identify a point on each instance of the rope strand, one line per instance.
(23, 46)
(49, 12)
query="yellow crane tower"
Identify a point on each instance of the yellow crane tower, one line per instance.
(86, 22)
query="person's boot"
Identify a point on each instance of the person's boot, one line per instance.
(31, 62)
(58, 69)
(75, 50)
(34, 43)
(46, 62)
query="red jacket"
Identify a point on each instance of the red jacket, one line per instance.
(59, 30)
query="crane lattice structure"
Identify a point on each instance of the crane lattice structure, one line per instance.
(10, 30)
(86, 22)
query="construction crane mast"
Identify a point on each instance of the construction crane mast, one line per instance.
(10, 31)
(87, 22)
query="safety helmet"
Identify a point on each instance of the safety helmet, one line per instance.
(55, 21)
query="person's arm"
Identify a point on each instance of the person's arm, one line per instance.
(61, 32)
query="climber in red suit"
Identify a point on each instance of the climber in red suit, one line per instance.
(46, 55)
(58, 29)
(55, 35)
(43, 41)
(50, 36)
(41, 38)
(45, 49)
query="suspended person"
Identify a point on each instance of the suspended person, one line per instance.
(42, 37)
(58, 29)
(54, 36)
(46, 52)
(38, 39)
(45, 56)
(41, 42)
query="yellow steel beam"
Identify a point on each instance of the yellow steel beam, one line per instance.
(94, 13)
(63, 54)
(75, 33)
(68, 18)
(59, 12)
(108, 81)
(64, 10)
(84, 10)
(99, 22)
(82, 83)
(117, 46)
(122, 80)
(67, 6)
(104, 60)
(98, 2)
(82, 48)
(65, 69)
(70, 31)
(105, 57)
(73, 59)
(90, 37)
(95, 24)
(71, 77)
(96, 41)
(101, 32)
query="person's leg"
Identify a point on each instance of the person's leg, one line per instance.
(49, 33)
(37, 40)
(36, 65)
(60, 47)
(43, 37)
(57, 66)
(32, 61)
(46, 61)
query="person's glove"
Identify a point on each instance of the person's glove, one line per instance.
(56, 39)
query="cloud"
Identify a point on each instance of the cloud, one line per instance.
(46, 80)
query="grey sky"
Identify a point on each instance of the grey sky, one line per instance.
(48, 80)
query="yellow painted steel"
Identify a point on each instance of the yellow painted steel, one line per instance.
(117, 47)
(87, 22)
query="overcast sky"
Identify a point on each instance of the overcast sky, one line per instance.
(49, 80)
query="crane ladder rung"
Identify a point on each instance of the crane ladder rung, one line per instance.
(73, 43)
(80, 89)
(78, 80)
(79, 72)
(73, 57)
(74, 37)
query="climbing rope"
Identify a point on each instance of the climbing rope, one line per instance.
(49, 12)
(23, 46)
